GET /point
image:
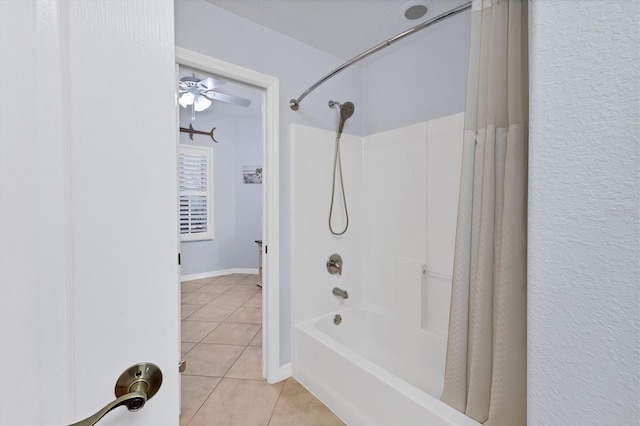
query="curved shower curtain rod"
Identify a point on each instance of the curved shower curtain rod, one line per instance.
(294, 103)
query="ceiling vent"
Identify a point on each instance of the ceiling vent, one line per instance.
(414, 9)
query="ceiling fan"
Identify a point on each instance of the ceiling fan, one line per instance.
(200, 92)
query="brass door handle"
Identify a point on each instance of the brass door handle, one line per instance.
(135, 399)
(134, 387)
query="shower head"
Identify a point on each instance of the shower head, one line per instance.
(346, 111)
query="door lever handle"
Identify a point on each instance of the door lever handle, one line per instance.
(134, 387)
(132, 399)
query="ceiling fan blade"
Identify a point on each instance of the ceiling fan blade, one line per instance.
(227, 98)
(209, 84)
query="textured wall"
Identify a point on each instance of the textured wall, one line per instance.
(584, 239)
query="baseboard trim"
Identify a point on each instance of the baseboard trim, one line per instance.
(213, 274)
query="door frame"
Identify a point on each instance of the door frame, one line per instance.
(271, 369)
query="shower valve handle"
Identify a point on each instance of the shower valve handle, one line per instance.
(334, 264)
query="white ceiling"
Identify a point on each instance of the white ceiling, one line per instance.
(344, 28)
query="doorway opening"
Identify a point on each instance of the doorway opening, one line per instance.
(246, 83)
(220, 152)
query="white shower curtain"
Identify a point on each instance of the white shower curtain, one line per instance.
(485, 375)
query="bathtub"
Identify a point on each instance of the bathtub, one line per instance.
(371, 371)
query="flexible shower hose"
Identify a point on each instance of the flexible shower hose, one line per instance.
(337, 166)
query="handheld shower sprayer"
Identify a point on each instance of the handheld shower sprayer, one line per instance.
(346, 111)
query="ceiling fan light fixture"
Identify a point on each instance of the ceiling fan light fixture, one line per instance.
(200, 92)
(186, 99)
(201, 103)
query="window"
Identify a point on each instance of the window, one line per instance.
(195, 170)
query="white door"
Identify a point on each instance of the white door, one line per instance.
(88, 218)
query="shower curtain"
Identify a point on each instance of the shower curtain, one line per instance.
(485, 375)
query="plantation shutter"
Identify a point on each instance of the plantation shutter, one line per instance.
(196, 206)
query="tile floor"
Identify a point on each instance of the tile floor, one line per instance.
(222, 344)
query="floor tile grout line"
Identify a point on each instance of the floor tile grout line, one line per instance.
(230, 344)
(205, 399)
(224, 321)
(206, 304)
(227, 317)
(217, 344)
(200, 341)
(276, 404)
(215, 328)
(192, 313)
(228, 292)
(236, 361)
(262, 380)
(183, 356)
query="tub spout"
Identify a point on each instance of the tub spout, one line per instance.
(340, 293)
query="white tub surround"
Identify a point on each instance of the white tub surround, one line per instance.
(312, 243)
(402, 190)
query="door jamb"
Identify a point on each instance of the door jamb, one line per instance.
(271, 369)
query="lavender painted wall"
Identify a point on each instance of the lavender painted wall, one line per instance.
(248, 196)
(419, 78)
(584, 218)
(237, 206)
